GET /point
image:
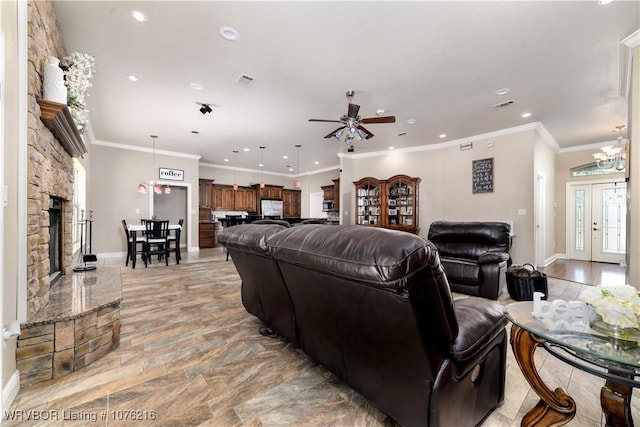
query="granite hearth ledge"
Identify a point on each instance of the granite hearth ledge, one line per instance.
(80, 325)
(78, 294)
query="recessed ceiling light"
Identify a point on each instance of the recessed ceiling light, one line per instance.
(229, 33)
(245, 149)
(196, 86)
(226, 160)
(290, 168)
(525, 115)
(285, 157)
(392, 148)
(379, 112)
(260, 165)
(502, 91)
(604, 2)
(443, 135)
(411, 121)
(132, 77)
(316, 162)
(139, 16)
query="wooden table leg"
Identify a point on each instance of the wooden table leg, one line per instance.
(555, 407)
(615, 399)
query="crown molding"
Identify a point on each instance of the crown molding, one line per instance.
(535, 126)
(120, 146)
(288, 175)
(627, 45)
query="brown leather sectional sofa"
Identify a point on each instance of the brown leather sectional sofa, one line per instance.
(374, 307)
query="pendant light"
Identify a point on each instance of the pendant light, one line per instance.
(297, 181)
(262, 167)
(156, 187)
(235, 170)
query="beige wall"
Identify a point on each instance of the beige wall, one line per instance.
(445, 190)
(112, 192)
(11, 256)
(545, 169)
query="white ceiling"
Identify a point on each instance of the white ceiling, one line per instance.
(439, 63)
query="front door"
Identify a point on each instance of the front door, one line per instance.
(596, 222)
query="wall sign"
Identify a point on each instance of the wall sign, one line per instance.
(171, 174)
(482, 175)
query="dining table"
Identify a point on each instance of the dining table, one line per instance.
(133, 231)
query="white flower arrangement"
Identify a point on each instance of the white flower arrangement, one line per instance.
(78, 71)
(618, 305)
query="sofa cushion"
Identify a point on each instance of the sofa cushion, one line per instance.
(460, 270)
(469, 240)
(251, 238)
(479, 322)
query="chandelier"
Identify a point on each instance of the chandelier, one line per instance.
(612, 156)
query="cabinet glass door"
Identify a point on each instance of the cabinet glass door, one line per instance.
(400, 203)
(368, 204)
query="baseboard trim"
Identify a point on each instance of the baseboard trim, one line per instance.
(10, 391)
(553, 258)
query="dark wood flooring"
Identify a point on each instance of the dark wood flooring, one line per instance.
(586, 272)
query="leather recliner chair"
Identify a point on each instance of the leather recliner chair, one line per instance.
(474, 255)
(374, 307)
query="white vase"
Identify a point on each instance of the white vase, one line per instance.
(53, 87)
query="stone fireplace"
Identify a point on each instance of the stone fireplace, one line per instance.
(50, 173)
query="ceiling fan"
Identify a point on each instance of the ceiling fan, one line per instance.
(352, 123)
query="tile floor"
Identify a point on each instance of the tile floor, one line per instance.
(191, 355)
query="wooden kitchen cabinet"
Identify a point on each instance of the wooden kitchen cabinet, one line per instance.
(269, 191)
(291, 203)
(225, 198)
(205, 193)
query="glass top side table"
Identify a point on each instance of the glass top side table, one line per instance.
(617, 361)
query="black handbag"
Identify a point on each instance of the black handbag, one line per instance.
(524, 280)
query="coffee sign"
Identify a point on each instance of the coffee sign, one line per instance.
(171, 174)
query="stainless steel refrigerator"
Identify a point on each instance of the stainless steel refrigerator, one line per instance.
(271, 208)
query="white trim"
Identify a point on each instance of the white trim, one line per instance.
(627, 45)
(10, 391)
(537, 126)
(119, 146)
(21, 199)
(586, 147)
(288, 175)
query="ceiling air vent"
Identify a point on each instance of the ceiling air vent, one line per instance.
(245, 80)
(504, 104)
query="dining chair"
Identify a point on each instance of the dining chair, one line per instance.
(175, 239)
(156, 242)
(140, 240)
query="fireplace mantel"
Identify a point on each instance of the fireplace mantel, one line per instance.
(57, 118)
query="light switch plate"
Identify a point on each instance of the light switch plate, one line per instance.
(522, 212)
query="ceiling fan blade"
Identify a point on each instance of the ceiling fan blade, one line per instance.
(385, 119)
(332, 134)
(369, 134)
(322, 120)
(353, 110)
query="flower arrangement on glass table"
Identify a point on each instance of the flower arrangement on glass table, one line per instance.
(616, 310)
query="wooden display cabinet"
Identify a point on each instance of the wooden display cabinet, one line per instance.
(391, 203)
(368, 203)
(401, 194)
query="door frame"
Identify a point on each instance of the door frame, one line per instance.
(191, 218)
(570, 209)
(540, 219)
